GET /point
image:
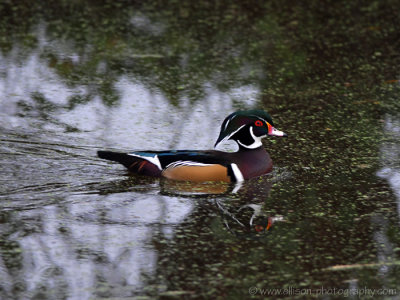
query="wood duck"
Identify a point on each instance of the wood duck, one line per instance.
(246, 128)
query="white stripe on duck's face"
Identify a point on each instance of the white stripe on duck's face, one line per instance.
(228, 137)
(256, 140)
(246, 130)
(247, 138)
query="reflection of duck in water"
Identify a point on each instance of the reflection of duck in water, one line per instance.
(246, 128)
(247, 220)
(240, 205)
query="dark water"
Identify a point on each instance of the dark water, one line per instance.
(79, 76)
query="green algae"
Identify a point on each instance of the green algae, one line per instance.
(327, 73)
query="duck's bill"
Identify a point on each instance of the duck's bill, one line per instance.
(276, 132)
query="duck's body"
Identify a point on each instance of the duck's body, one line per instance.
(194, 165)
(245, 127)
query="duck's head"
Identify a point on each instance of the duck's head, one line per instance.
(247, 128)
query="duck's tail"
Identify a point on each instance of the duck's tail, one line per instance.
(134, 164)
(121, 158)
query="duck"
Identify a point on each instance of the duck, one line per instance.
(245, 127)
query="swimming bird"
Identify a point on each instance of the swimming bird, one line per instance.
(246, 128)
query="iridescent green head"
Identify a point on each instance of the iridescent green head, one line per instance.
(247, 128)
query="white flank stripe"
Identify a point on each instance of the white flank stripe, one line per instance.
(237, 173)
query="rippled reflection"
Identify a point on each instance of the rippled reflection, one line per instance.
(68, 229)
(80, 76)
(90, 245)
(390, 155)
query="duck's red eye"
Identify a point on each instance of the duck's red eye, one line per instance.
(258, 123)
(258, 228)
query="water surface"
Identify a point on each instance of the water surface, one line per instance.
(79, 77)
